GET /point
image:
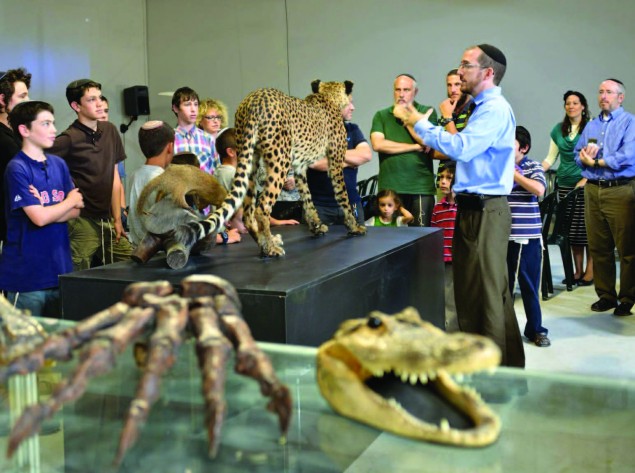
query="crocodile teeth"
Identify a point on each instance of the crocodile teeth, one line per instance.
(423, 379)
(444, 425)
(404, 377)
(413, 379)
(378, 373)
(432, 375)
(459, 377)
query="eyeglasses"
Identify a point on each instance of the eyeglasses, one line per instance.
(3, 74)
(213, 117)
(467, 65)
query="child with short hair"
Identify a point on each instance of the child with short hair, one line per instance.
(41, 198)
(391, 212)
(156, 140)
(524, 250)
(444, 216)
(227, 151)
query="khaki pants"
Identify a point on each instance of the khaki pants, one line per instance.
(610, 223)
(95, 238)
(479, 258)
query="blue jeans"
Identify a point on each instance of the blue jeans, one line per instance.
(525, 260)
(44, 303)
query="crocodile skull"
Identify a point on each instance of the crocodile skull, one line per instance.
(395, 373)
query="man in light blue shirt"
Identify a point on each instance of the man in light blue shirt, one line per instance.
(484, 152)
(606, 154)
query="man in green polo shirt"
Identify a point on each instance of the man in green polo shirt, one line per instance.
(405, 164)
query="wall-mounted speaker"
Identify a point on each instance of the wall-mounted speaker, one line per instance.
(136, 100)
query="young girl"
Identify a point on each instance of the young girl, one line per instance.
(391, 213)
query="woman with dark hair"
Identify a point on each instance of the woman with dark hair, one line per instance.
(564, 137)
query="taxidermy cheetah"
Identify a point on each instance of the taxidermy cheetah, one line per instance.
(281, 132)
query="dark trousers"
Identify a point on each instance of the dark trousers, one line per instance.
(335, 215)
(420, 206)
(481, 289)
(610, 222)
(525, 260)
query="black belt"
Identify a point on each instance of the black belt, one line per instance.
(468, 201)
(602, 183)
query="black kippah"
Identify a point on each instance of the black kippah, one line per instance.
(494, 53)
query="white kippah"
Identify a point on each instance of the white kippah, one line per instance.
(221, 132)
(152, 124)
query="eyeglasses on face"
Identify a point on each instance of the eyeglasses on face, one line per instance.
(213, 117)
(467, 65)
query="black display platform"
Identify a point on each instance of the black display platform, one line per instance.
(302, 297)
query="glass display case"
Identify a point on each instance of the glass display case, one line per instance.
(551, 423)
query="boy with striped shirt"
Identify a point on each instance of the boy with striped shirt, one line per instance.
(524, 250)
(444, 216)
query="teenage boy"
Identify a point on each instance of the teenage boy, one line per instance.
(524, 250)
(444, 216)
(156, 140)
(41, 199)
(92, 149)
(14, 89)
(188, 137)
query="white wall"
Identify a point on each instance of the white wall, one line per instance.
(60, 41)
(225, 49)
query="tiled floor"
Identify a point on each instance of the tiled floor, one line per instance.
(582, 341)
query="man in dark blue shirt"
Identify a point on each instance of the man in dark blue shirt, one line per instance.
(322, 192)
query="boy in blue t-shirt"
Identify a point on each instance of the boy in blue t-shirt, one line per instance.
(40, 199)
(524, 250)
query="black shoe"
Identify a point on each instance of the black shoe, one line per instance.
(584, 282)
(575, 280)
(623, 309)
(603, 305)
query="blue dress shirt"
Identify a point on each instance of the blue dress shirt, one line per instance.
(615, 135)
(484, 150)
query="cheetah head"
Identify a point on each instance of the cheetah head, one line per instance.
(336, 92)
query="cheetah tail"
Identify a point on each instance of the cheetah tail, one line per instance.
(240, 183)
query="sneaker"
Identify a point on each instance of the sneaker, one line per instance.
(541, 340)
(602, 305)
(623, 309)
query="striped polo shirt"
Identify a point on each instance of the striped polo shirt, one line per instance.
(526, 221)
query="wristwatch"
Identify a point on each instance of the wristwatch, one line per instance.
(444, 121)
(596, 162)
(225, 237)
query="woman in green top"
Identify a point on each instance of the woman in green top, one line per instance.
(564, 137)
